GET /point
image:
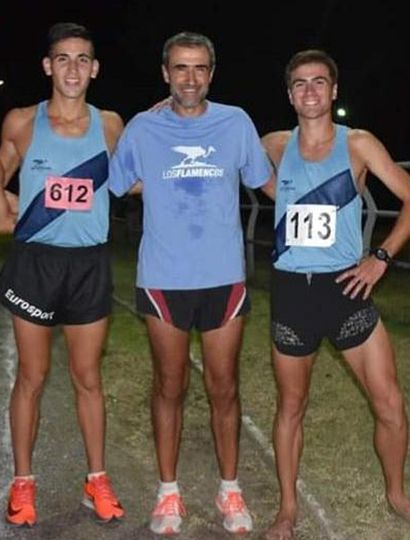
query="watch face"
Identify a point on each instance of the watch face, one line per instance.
(381, 254)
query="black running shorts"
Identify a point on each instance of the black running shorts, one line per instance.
(305, 308)
(49, 285)
(203, 309)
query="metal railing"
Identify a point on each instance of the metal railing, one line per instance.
(131, 218)
(372, 212)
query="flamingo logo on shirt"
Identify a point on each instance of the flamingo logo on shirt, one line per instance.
(192, 155)
(193, 165)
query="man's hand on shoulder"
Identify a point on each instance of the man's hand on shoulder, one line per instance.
(159, 105)
(274, 144)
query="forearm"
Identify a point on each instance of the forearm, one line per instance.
(7, 216)
(400, 232)
(270, 187)
(136, 189)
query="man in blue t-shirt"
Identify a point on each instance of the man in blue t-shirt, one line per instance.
(190, 159)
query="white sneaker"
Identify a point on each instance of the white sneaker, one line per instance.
(237, 518)
(167, 515)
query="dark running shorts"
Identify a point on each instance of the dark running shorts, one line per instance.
(305, 308)
(50, 285)
(203, 309)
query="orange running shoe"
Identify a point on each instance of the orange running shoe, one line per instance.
(100, 497)
(21, 510)
(167, 515)
(237, 518)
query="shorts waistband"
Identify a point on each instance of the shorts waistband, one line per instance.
(37, 247)
(310, 275)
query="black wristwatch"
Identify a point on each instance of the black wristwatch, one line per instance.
(381, 254)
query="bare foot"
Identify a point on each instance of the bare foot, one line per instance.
(282, 529)
(401, 508)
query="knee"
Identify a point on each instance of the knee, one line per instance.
(30, 382)
(169, 388)
(292, 406)
(87, 381)
(390, 408)
(223, 390)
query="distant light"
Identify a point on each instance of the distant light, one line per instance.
(341, 112)
(1, 82)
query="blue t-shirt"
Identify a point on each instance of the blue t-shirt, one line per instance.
(191, 170)
(318, 210)
(63, 197)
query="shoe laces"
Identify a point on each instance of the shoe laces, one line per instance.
(103, 487)
(170, 505)
(233, 503)
(23, 492)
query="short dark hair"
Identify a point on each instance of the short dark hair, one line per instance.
(65, 30)
(188, 39)
(309, 56)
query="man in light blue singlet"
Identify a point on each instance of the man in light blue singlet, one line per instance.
(58, 272)
(322, 282)
(190, 158)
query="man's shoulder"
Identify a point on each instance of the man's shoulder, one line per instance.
(21, 114)
(111, 118)
(276, 138)
(19, 120)
(275, 143)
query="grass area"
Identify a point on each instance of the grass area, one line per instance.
(339, 463)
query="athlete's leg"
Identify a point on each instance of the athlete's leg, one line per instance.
(85, 344)
(293, 376)
(170, 354)
(33, 347)
(373, 363)
(220, 350)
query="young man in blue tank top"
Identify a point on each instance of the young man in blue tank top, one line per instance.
(190, 159)
(59, 272)
(322, 283)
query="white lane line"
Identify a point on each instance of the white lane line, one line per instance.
(8, 361)
(315, 507)
(313, 504)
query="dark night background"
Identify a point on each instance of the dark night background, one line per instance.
(369, 41)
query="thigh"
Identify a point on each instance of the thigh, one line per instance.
(373, 363)
(173, 307)
(33, 344)
(217, 306)
(296, 325)
(350, 321)
(170, 348)
(31, 281)
(85, 344)
(221, 348)
(292, 375)
(87, 293)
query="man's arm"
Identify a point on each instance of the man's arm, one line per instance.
(14, 125)
(365, 148)
(7, 218)
(136, 189)
(397, 180)
(113, 127)
(269, 188)
(274, 144)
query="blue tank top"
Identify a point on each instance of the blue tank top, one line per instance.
(63, 198)
(191, 169)
(318, 210)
